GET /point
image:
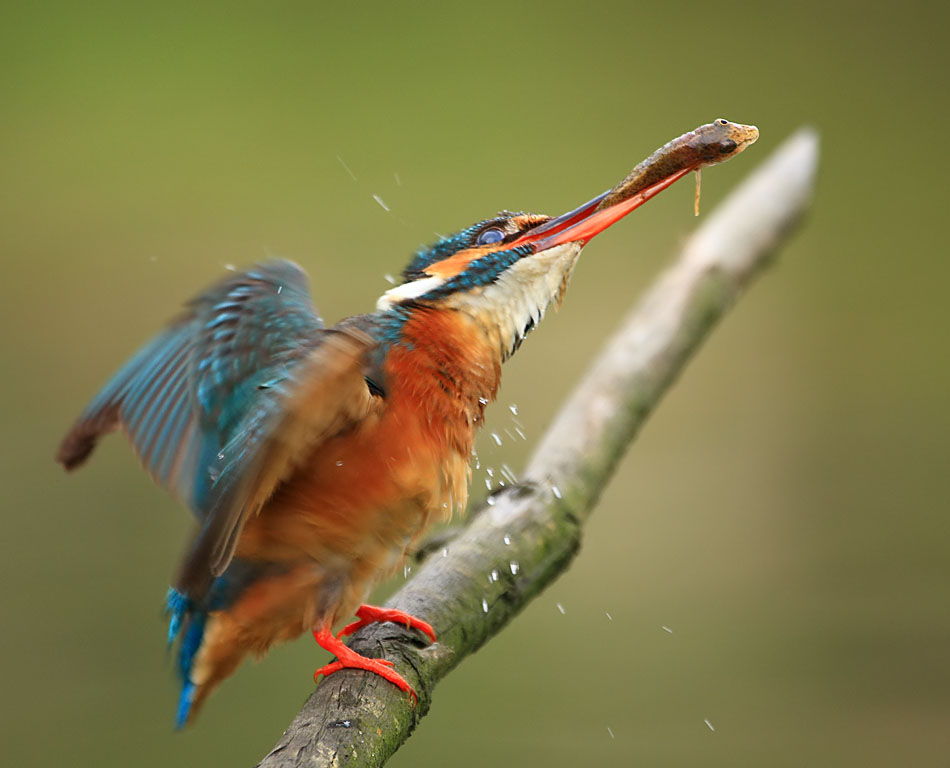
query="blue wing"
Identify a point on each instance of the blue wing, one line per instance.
(182, 397)
(222, 405)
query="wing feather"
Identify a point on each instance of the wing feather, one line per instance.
(323, 395)
(227, 401)
(180, 398)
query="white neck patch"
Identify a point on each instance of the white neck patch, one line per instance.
(517, 300)
(411, 290)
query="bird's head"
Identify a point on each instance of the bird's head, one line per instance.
(506, 270)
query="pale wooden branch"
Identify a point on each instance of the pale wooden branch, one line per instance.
(526, 535)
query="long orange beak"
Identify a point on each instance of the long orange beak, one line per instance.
(584, 223)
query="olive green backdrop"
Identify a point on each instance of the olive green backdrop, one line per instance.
(784, 513)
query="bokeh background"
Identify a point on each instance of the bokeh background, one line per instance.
(785, 511)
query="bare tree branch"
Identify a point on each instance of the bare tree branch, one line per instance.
(526, 535)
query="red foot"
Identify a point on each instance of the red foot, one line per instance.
(347, 658)
(370, 614)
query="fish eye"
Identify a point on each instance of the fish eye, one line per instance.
(722, 121)
(727, 146)
(490, 236)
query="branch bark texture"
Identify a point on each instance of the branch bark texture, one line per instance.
(526, 535)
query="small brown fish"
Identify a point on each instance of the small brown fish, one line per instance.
(709, 144)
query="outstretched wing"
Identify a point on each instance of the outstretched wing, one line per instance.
(182, 397)
(223, 404)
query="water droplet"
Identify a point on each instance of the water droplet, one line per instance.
(514, 409)
(561, 608)
(279, 289)
(490, 501)
(339, 462)
(398, 180)
(514, 567)
(483, 401)
(710, 725)
(556, 491)
(346, 167)
(230, 267)
(506, 471)
(610, 732)
(382, 205)
(488, 483)
(391, 279)
(221, 456)
(445, 551)
(489, 471)
(485, 605)
(406, 570)
(507, 540)
(609, 617)
(495, 436)
(520, 433)
(494, 574)
(667, 629)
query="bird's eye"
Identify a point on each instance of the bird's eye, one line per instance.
(490, 236)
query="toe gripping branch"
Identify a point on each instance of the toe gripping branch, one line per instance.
(347, 658)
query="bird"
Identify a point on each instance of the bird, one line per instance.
(314, 458)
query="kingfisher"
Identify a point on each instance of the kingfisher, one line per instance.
(314, 458)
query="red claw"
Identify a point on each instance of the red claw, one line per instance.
(347, 658)
(371, 614)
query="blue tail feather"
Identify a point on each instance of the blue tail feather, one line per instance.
(184, 704)
(187, 620)
(178, 606)
(188, 623)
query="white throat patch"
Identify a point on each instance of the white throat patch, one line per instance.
(513, 304)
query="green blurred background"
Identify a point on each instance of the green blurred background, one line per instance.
(785, 511)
